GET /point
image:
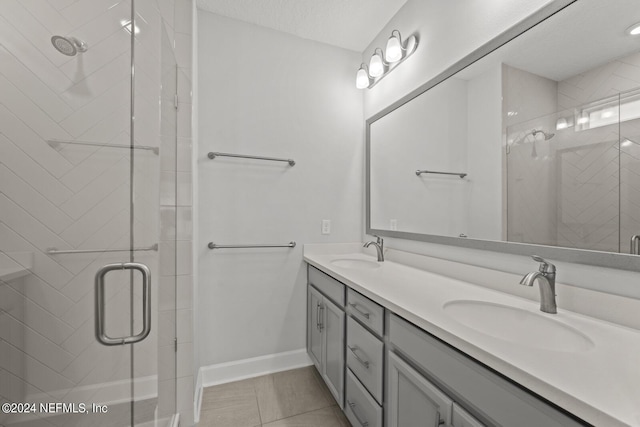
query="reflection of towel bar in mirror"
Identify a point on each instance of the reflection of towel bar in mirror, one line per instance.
(461, 175)
(212, 245)
(53, 142)
(212, 155)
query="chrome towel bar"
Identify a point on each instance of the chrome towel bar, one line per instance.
(212, 245)
(54, 251)
(212, 155)
(155, 150)
(461, 175)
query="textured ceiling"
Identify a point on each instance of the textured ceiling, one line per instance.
(351, 24)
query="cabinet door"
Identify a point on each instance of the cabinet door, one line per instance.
(462, 418)
(314, 326)
(414, 401)
(333, 349)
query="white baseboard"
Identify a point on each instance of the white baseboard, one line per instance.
(247, 368)
(254, 367)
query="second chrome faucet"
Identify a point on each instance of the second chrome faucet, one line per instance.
(546, 276)
(379, 244)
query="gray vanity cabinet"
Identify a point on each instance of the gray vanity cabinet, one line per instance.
(412, 400)
(325, 330)
(495, 398)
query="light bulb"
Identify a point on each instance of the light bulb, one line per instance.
(393, 53)
(562, 123)
(362, 79)
(376, 68)
(634, 30)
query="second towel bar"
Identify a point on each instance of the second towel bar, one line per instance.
(212, 245)
(212, 155)
(460, 174)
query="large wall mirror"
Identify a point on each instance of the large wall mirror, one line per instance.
(526, 146)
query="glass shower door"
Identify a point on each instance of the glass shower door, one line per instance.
(80, 190)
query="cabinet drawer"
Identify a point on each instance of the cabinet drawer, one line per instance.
(365, 357)
(497, 399)
(361, 410)
(327, 285)
(366, 311)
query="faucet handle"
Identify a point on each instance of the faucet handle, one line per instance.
(545, 266)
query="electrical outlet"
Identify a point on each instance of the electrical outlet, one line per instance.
(393, 224)
(326, 226)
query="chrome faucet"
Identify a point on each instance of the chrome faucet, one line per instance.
(379, 244)
(546, 276)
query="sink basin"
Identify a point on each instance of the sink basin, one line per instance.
(518, 326)
(355, 263)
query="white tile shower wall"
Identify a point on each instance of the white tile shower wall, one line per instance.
(442, 43)
(77, 197)
(607, 80)
(272, 94)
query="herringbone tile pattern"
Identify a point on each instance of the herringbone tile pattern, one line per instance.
(56, 195)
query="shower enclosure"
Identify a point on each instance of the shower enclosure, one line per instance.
(576, 185)
(87, 267)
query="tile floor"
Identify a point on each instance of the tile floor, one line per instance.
(295, 398)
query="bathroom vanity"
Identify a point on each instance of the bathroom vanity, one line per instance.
(401, 346)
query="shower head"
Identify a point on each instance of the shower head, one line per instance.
(547, 136)
(69, 46)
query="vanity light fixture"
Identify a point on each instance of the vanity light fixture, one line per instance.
(634, 30)
(381, 63)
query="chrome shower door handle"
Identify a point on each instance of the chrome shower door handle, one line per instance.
(101, 334)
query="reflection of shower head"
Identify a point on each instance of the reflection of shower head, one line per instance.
(69, 46)
(547, 136)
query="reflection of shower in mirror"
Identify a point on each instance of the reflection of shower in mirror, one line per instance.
(547, 136)
(534, 133)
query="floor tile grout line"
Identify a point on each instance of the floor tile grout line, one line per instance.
(305, 412)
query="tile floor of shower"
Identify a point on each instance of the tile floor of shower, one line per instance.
(295, 398)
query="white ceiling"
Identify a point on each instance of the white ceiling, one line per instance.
(350, 24)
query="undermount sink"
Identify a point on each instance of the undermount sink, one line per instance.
(518, 326)
(355, 263)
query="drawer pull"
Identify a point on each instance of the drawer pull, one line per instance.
(363, 362)
(355, 414)
(320, 308)
(319, 324)
(355, 307)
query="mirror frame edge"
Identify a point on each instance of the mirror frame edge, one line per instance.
(577, 256)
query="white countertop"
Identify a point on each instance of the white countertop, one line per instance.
(600, 385)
